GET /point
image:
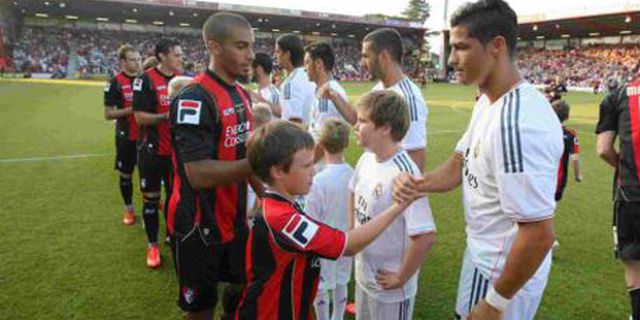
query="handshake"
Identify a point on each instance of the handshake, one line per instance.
(407, 188)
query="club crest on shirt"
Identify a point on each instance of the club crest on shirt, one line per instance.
(476, 150)
(377, 191)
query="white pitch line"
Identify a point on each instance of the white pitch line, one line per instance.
(68, 157)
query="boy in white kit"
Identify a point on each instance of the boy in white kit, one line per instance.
(327, 202)
(387, 269)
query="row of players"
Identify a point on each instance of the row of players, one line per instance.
(506, 162)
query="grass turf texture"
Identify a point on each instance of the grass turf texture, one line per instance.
(65, 254)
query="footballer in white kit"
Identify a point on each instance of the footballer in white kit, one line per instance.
(372, 186)
(416, 137)
(322, 109)
(511, 150)
(297, 95)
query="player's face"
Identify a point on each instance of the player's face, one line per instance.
(281, 56)
(469, 58)
(236, 54)
(298, 180)
(370, 61)
(132, 63)
(365, 130)
(309, 66)
(173, 59)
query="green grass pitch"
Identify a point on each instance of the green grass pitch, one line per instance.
(64, 253)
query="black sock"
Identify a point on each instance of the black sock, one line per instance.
(151, 221)
(634, 294)
(126, 190)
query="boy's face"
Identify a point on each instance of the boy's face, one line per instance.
(298, 180)
(366, 131)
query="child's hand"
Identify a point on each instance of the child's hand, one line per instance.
(405, 188)
(389, 280)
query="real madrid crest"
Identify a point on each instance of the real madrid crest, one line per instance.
(476, 150)
(377, 192)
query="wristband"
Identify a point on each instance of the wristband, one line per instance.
(496, 300)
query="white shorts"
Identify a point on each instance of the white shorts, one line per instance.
(335, 272)
(474, 285)
(368, 308)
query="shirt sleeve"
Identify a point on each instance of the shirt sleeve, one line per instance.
(143, 96)
(418, 215)
(463, 144)
(416, 137)
(526, 159)
(308, 235)
(192, 125)
(608, 120)
(314, 202)
(295, 99)
(112, 94)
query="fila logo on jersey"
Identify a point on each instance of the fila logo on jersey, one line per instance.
(137, 84)
(300, 230)
(189, 111)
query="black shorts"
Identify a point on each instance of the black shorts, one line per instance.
(626, 230)
(153, 169)
(126, 155)
(201, 264)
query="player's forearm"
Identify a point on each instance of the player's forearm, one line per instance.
(532, 244)
(208, 174)
(418, 156)
(444, 178)
(150, 119)
(111, 113)
(360, 237)
(257, 186)
(606, 149)
(345, 108)
(609, 156)
(419, 247)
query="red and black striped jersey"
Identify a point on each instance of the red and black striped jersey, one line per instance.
(620, 113)
(210, 120)
(283, 261)
(150, 94)
(118, 93)
(571, 147)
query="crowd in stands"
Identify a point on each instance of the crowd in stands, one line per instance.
(589, 67)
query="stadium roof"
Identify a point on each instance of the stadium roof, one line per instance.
(603, 25)
(192, 13)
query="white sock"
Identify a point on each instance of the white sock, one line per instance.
(321, 305)
(339, 302)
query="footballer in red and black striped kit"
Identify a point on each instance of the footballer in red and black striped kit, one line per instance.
(620, 117)
(285, 245)
(118, 101)
(151, 107)
(210, 123)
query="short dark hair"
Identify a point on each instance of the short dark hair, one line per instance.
(562, 109)
(275, 144)
(487, 19)
(322, 51)
(218, 26)
(263, 60)
(124, 49)
(386, 108)
(386, 39)
(164, 46)
(293, 44)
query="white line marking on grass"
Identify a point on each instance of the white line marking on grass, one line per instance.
(54, 158)
(437, 132)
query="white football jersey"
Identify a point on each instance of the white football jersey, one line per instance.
(297, 94)
(512, 150)
(416, 137)
(322, 109)
(372, 186)
(271, 94)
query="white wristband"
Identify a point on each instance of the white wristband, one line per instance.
(496, 300)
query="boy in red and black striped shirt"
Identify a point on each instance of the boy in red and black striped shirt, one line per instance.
(571, 149)
(285, 244)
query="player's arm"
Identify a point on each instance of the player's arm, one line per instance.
(343, 106)
(112, 98)
(418, 156)
(607, 129)
(577, 172)
(419, 247)
(143, 103)
(207, 174)
(445, 178)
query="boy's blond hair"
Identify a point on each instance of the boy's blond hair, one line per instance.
(261, 114)
(386, 108)
(334, 135)
(176, 84)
